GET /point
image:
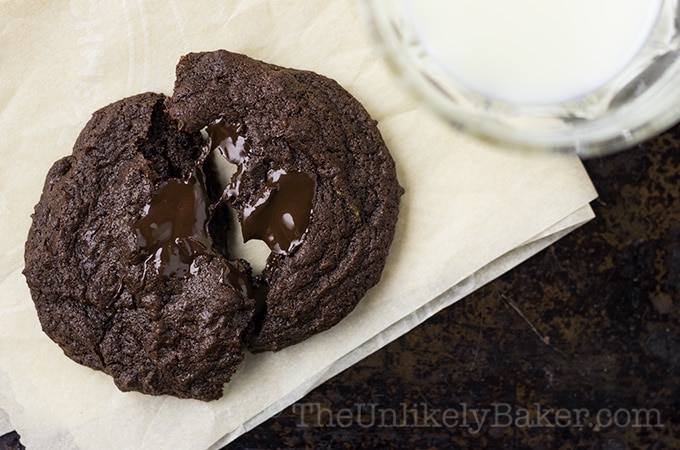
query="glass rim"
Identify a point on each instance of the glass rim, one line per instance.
(638, 118)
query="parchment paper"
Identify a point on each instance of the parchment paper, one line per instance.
(470, 212)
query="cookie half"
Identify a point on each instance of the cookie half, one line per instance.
(305, 129)
(124, 282)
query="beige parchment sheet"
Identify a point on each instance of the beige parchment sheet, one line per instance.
(470, 212)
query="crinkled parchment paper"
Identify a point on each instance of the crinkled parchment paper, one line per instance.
(469, 212)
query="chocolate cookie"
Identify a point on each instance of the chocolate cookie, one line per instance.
(120, 262)
(127, 258)
(315, 181)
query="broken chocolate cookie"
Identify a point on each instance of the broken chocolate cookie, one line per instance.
(127, 258)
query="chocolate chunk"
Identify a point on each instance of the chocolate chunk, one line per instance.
(281, 212)
(174, 227)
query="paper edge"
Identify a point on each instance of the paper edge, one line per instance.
(486, 274)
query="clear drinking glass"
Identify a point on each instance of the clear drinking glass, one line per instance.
(638, 101)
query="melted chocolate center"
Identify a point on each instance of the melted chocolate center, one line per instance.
(174, 227)
(230, 141)
(173, 230)
(281, 213)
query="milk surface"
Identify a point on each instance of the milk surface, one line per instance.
(533, 51)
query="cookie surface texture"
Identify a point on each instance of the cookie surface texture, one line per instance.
(153, 331)
(296, 121)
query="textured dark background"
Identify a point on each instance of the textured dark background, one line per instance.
(592, 324)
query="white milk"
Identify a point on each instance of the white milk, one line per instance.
(533, 51)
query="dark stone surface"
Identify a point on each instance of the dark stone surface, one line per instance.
(590, 325)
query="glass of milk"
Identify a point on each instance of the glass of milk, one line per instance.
(584, 76)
